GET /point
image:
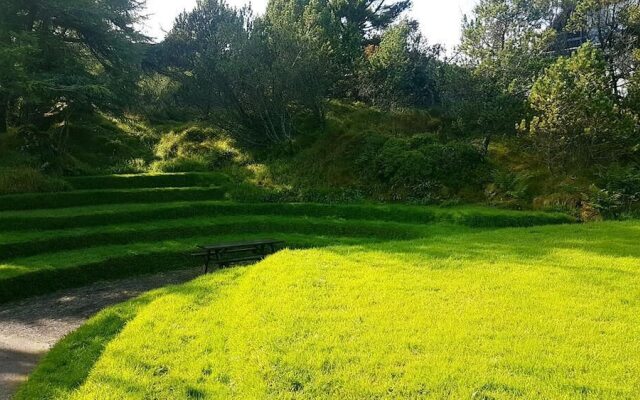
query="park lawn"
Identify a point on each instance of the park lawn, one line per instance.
(522, 313)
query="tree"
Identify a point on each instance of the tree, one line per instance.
(303, 31)
(200, 48)
(577, 121)
(614, 25)
(475, 104)
(400, 72)
(63, 55)
(362, 22)
(344, 27)
(506, 45)
(250, 76)
(508, 41)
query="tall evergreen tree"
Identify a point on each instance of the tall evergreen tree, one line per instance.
(67, 54)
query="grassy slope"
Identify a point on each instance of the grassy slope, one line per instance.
(43, 250)
(108, 214)
(545, 312)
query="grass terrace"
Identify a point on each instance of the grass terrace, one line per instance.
(57, 240)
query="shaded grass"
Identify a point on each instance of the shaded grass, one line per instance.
(45, 273)
(68, 364)
(80, 245)
(548, 312)
(31, 201)
(108, 215)
(148, 181)
(23, 244)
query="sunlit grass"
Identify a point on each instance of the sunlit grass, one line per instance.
(538, 313)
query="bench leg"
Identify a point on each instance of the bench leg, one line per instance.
(206, 263)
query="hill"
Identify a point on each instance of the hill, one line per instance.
(360, 153)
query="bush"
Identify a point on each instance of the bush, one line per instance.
(130, 166)
(40, 144)
(617, 193)
(623, 181)
(420, 167)
(195, 149)
(29, 180)
(509, 188)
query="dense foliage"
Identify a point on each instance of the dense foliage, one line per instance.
(62, 57)
(577, 120)
(545, 90)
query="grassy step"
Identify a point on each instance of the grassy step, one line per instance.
(92, 197)
(103, 215)
(148, 181)
(32, 243)
(44, 274)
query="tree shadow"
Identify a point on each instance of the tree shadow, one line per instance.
(613, 240)
(15, 366)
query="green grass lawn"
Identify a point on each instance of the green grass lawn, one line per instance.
(370, 301)
(545, 312)
(47, 249)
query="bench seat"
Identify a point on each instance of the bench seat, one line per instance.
(226, 254)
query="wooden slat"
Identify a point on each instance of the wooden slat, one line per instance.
(235, 245)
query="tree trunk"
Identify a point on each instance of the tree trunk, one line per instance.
(3, 115)
(485, 145)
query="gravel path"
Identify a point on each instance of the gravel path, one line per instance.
(29, 328)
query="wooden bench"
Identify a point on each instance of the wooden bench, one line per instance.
(225, 254)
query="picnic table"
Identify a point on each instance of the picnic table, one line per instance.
(225, 254)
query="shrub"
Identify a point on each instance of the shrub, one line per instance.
(624, 182)
(508, 188)
(29, 180)
(130, 166)
(195, 149)
(40, 144)
(420, 167)
(562, 201)
(617, 193)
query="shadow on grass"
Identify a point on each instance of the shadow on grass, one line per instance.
(126, 261)
(616, 240)
(68, 364)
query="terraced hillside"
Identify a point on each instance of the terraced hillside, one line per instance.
(118, 226)
(371, 301)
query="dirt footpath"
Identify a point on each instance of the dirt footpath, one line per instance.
(29, 328)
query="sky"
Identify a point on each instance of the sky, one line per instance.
(440, 19)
